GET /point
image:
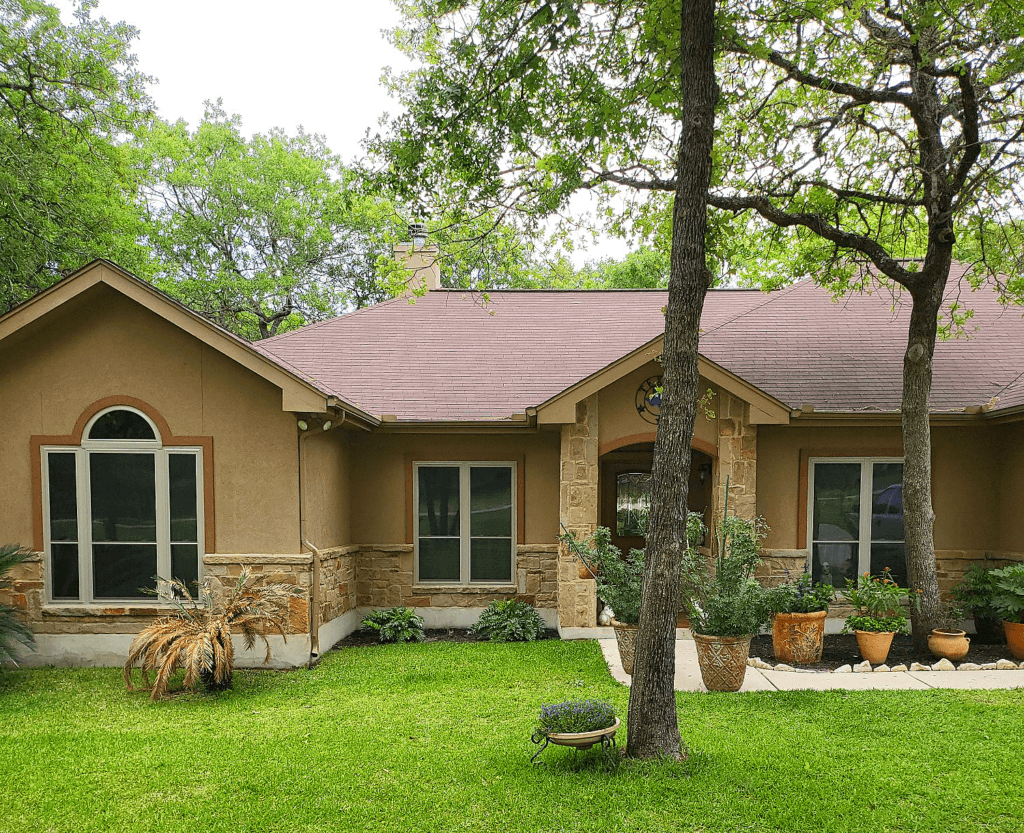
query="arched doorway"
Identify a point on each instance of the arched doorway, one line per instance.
(625, 489)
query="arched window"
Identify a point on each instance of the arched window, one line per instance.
(119, 510)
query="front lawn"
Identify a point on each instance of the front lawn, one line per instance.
(435, 737)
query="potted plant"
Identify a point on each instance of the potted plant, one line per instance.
(974, 594)
(878, 616)
(619, 582)
(948, 640)
(1008, 603)
(726, 604)
(576, 723)
(798, 610)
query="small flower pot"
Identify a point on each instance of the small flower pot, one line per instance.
(951, 645)
(797, 638)
(1014, 638)
(722, 660)
(587, 572)
(625, 635)
(874, 646)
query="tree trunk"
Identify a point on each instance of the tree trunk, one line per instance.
(653, 727)
(918, 515)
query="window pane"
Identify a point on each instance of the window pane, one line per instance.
(182, 471)
(490, 559)
(120, 570)
(836, 502)
(490, 497)
(632, 503)
(185, 565)
(887, 502)
(439, 559)
(123, 490)
(439, 500)
(64, 569)
(121, 425)
(893, 557)
(834, 563)
(63, 498)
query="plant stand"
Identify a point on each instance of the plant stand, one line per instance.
(577, 740)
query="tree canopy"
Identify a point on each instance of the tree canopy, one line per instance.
(70, 94)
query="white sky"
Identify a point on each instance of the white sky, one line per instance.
(314, 63)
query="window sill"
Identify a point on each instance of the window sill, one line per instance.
(78, 611)
(467, 589)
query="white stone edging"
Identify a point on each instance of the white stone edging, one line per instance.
(941, 665)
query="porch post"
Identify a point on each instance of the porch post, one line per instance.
(578, 502)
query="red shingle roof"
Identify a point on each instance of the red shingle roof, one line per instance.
(450, 356)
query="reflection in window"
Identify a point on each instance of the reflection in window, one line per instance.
(121, 425)
(632, 503)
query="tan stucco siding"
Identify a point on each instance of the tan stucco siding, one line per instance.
(380, 483)
(965, 484)
(620, 420)
(102, 345)
(1010, 442)
(325, 488)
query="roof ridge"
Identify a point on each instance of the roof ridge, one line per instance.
(771, 296)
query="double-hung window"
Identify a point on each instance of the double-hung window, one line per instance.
(465, 522)
(856, 518)
(120, 509)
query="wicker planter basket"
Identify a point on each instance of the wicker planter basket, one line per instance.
(625, 635)
(798, 637)
(723, 660)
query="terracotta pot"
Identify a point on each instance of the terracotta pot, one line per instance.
(874, 647)
(798, 637)
(587, 572)
(682, 620)
(953, 645)
(1014, 638)
(723, 660)
(625, 635)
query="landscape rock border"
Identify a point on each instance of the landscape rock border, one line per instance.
(941, 665)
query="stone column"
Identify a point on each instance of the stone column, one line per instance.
(578, 502)
(737, 458)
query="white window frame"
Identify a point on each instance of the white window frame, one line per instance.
(83, 494)
(465, 539)
(866, 502)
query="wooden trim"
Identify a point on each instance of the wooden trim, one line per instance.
(74, 439)
(804, 483)
(518, 459)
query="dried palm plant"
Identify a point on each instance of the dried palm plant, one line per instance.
(198, 637)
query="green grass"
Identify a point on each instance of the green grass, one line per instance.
(435, 737)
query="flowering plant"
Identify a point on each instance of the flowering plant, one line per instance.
(574, 716)
(878, 600)
(803, 595)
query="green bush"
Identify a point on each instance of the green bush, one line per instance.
(395, 624)
(801, 596)
(509, 621)
(619, 580)
(1008, 599)
(974, 592)
(12, 629)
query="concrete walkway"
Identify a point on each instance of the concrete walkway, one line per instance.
(688, 676)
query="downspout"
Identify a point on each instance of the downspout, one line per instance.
(314, 590)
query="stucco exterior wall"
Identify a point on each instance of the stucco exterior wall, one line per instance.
(1010, 444)
(381, 486)
(104, 345)
(326, 475)
(622, 424)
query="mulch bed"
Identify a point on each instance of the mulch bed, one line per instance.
(362, 639)
(841, 649)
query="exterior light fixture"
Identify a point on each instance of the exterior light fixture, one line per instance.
(327, 425)
(303, 425)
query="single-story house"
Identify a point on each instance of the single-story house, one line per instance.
(426, 453)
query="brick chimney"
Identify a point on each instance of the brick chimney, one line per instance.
(420, 261)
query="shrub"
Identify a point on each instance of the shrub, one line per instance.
(12, 629)
(974, 592)
(574, 716)
(1008, 599)
(198, 637)
(509, 621)
(395, 624)
(619, 580)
